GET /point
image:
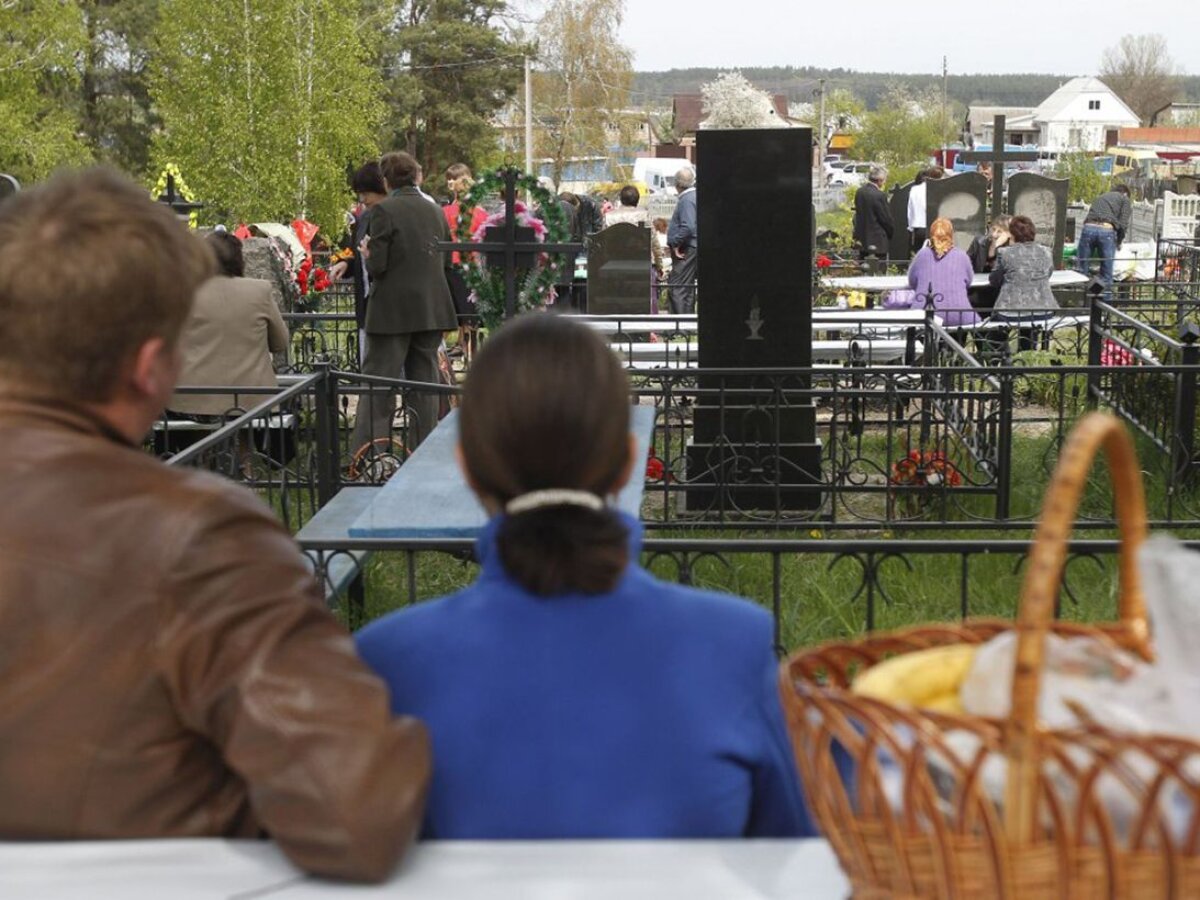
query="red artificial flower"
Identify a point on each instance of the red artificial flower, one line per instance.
(824, 262)
(320, 281)
(654, 468)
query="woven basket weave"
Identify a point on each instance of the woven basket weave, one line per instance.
(1084, 813)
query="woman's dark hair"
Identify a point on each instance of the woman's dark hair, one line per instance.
(368, 179)
(547, 406)
(228, 251)
(1022, 229)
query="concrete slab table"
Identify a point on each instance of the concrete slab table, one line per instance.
(429, 498)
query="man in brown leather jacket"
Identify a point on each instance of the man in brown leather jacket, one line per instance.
(167, 668)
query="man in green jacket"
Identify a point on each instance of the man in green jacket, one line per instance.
(409, 306)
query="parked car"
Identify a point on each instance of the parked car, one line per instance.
(854, 173)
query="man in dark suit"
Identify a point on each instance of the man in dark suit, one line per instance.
(873, 220)
(409, 306)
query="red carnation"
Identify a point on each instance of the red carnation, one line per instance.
(824, 262)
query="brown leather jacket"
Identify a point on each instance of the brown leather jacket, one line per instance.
(167, 668)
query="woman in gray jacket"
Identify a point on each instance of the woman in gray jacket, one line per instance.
(1022, 273)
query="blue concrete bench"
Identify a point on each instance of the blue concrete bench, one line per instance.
(340, 571)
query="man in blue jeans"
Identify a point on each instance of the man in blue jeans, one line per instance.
(1104, 230)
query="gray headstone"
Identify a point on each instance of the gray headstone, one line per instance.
(898, 204)
(264, 261)
(755, 311)
(618, 265)
(8, 186)
(963, 200)
(1044, 200)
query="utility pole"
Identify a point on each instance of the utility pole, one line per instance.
(945, 72)
(528, 119)
(821, 135)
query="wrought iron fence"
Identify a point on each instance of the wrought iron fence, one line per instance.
(817, 589)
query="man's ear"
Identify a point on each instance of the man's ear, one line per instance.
(155, 369)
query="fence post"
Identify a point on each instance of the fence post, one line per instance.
(1004, 442)
(327, 433)
(1184, 442)
(1095, 345)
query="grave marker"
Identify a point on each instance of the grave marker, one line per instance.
(963, 200)
(998, 156)
(749, 451)
(898, 205)
(8, 186)
(1044, 200)
(618, 264)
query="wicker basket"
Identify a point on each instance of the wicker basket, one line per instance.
(1082, 813)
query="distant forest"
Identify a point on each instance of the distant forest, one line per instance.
(655, 89)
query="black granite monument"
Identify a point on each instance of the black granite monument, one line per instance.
(1044, 200)
(754, 205)
(963, 200)
(618, 265)
(898, 205)
(8, 186)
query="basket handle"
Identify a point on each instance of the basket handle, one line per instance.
(1040, 587)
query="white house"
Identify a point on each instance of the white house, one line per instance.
(1083, 114)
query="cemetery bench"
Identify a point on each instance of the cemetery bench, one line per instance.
(340, 571)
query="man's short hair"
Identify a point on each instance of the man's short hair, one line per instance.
(685, 178)
(368, 179)
(90, 269)
(630, 195)
(933, 173)
(1121, 189)
(877, 175)
(399, 169)
(228, 251)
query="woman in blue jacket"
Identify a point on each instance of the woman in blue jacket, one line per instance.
(568, 692)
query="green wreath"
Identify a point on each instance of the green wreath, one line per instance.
(536, 285)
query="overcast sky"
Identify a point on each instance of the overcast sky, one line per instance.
(891, 36)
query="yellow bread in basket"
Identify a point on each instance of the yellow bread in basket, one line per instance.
(929, 679)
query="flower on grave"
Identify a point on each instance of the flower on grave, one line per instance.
(535, 286)
(1113, 354)
(654, 467)
(824, 262)
(925, 469)
(311, 278)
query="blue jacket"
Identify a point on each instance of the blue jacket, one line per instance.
(648, 712)
(683, 231)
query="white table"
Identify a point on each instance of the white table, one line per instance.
(686, 354)
(880, 283)
(449, 870)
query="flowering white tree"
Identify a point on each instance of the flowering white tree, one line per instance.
(733, 102)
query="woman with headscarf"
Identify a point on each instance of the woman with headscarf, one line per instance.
(942, 273)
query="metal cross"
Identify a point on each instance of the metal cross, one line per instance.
(510, 246)
(998, 156)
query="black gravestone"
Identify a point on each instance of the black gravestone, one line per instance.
(752, 451)
(898, 204)
(1044, 200)
(963, 200)
(8, 186)
(618, 270)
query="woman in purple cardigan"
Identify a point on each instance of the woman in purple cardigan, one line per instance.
(942, 270)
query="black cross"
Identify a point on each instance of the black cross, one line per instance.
(175, 200)
(998, 156)
(510, 246)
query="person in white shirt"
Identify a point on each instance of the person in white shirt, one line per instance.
(917, 209)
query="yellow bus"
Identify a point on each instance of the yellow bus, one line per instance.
(1138, 160)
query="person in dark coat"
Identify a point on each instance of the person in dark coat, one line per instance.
(873, 225)
(409, 306)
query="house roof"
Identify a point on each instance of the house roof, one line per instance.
(980, 116)
(689, 111)
(1055, 105)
